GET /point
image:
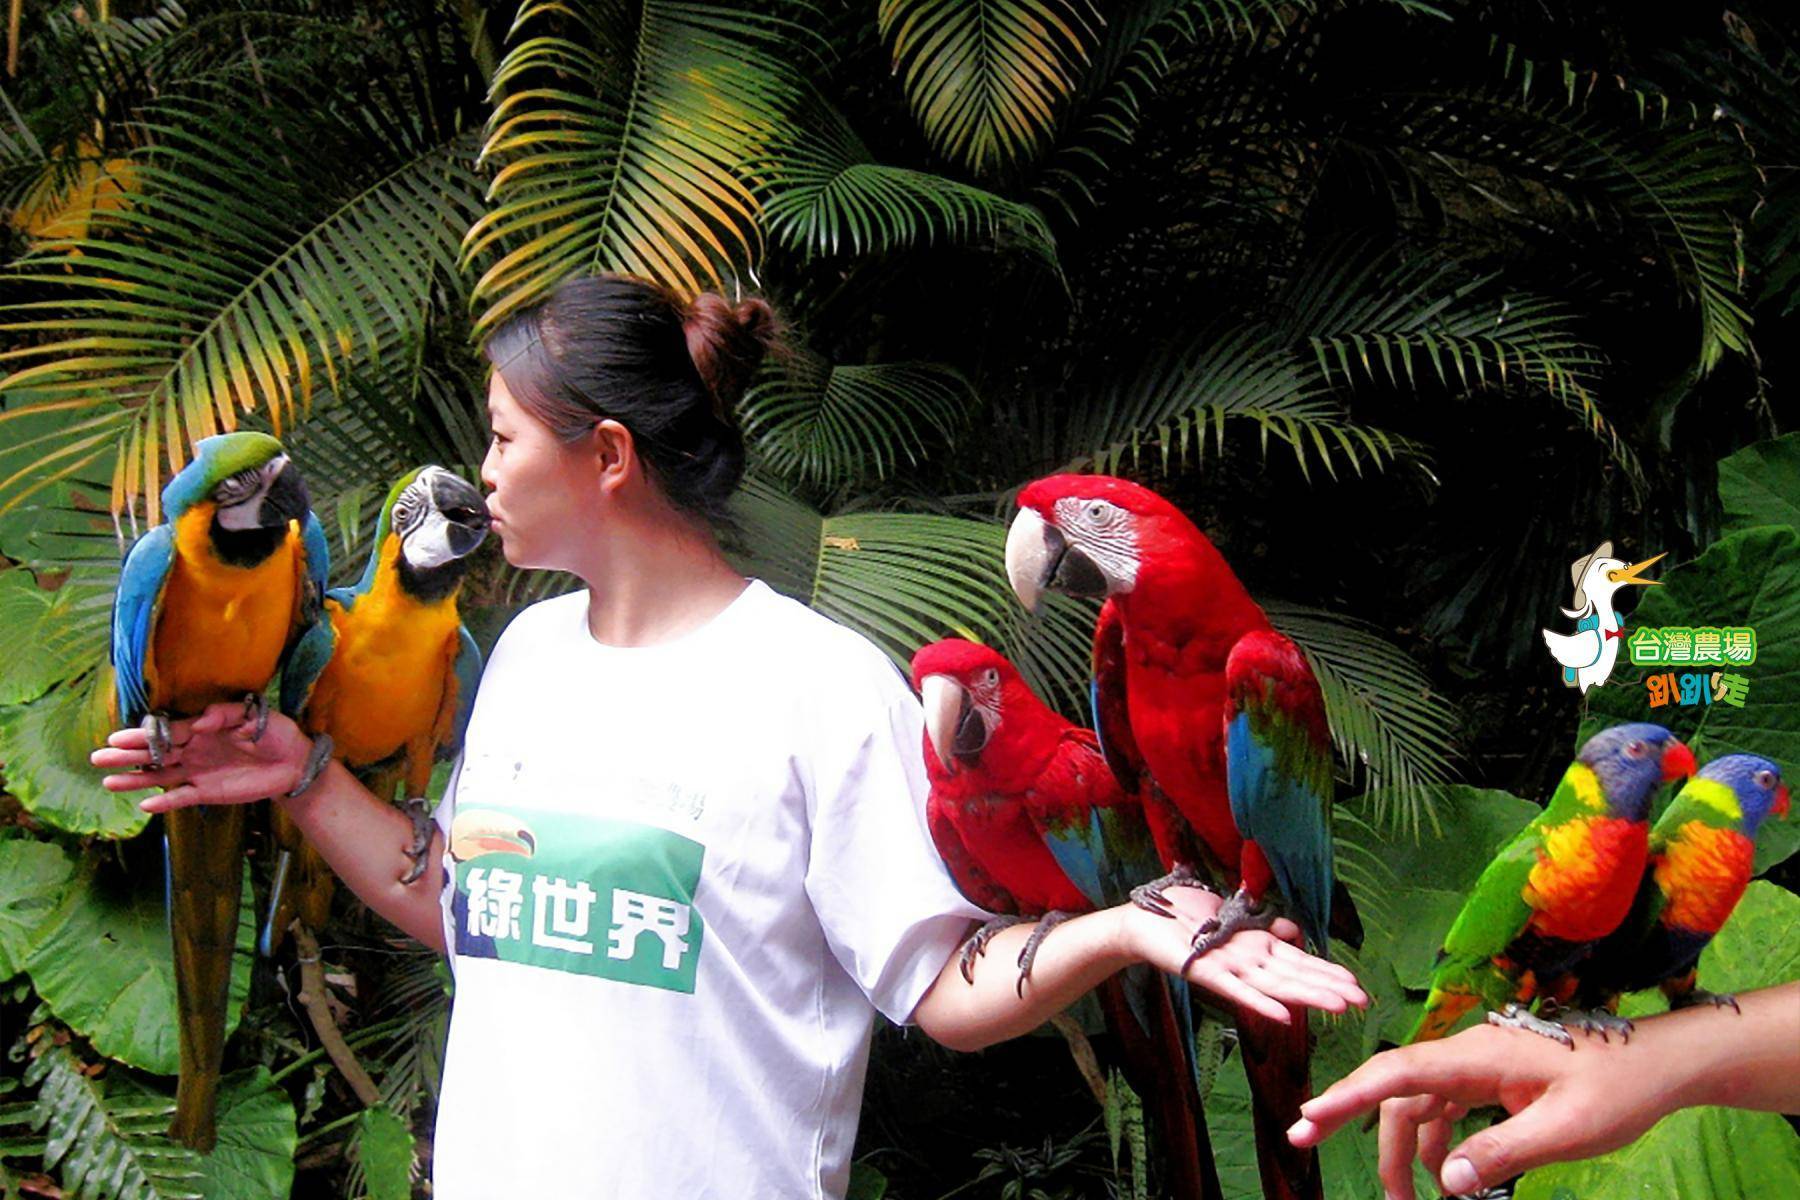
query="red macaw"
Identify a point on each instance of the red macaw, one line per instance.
(1195, 690)
(1032, 824)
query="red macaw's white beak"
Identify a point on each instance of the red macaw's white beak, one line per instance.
(952, 722)
(1031, 556)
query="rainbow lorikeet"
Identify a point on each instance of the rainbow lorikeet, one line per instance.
(389, 676)
(1702, 851)
(209, 606)
(1196, 692)
(1558, 887)
(1032, 825)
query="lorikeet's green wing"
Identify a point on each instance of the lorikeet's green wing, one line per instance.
(141, 582)
(1496, 912)
(1278, 772)
(468, 678)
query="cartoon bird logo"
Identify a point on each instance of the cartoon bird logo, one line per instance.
(1587, 655)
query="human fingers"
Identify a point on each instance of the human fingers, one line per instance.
(109, 758)
(1333, 974)
(1287, 931)
(1217, 979)
(1398, 1141)
(1434, 1139)
(185, 796)
(137, 781)
(1294, 986)
(1461, 1068)
(1535, 1136)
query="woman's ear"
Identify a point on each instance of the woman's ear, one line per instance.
(615, 454)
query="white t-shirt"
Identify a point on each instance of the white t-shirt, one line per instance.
(680, 879)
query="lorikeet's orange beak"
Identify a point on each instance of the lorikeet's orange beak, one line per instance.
(1677, 760)
(1781, 801)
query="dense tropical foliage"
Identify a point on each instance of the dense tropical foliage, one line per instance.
(1410, 304)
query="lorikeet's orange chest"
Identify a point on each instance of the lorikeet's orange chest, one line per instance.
(221, 629)
(402, 656)
(1586, 877)
(1703, 871)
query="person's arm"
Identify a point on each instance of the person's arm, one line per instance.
(1260, 971)
(214, 761)
(1564, 1105)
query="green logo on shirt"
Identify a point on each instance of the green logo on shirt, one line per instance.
(573, 893)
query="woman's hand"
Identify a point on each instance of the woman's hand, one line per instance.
(212, 759)
(1265, 972)
(1564, 1105)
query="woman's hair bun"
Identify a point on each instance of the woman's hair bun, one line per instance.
(727, 342)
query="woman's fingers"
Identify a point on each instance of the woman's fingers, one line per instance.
(1230, 987)
(1294, 987)
(185, 796)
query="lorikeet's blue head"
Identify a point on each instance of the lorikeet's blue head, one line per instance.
(247, 476)
(439, 519)
(1757, 784)
(1631, 761)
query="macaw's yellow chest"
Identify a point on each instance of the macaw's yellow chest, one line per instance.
(391, 679)
(221, 628)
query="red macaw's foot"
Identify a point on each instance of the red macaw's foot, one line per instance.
(1515, 1017)
(419, 809)
(978, 942)
(1028, 955)
(1701, 996)
(1238, 913)
(1150, 895)
(256, 708)
(156, 738)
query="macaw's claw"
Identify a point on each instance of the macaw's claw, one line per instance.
(1150, 895)
(1515, 1017)
(156, 739)
(419, 809)
(1237, 914)
(1028, 955)
(1598, 1021)
(1701, 996)
(316, 758)
(257, 709)
(978, 941)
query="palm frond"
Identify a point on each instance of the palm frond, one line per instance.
(224, 288)
(823, 193)
(986, 79)
(1399, 736)
(906, 579)
(619, 145)
(824, 425)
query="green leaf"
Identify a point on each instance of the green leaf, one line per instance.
(1746, 578)
(103, 964)
(1695, 1154)
(866, 1183)
(32, 878)
(385, 1150)
(1759, 945)
(37, 659)
(44, 746)
(1760, 484)
(1433, 874)
(254, 1157)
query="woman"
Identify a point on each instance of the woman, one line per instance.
(682, 860)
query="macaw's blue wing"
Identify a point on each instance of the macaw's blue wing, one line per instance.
(310, 656)
(468, 678)
(1278, 772)
(318, 557)
(141, 583)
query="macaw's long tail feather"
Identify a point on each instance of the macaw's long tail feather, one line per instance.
(205, 848)
(303, 884)
(1276, 1062)
(1441, 1013)
(1346, 923)
(1159, 1066)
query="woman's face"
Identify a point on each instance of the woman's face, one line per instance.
(543, 489)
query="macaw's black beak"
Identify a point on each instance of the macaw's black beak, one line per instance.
(287, 499)
(464, 511)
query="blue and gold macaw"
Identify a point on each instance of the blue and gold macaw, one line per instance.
(389, 676)
(209, 606)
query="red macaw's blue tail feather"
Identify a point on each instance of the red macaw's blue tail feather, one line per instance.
(1276, 1059)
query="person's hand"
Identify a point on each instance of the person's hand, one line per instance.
(1264, 972)
(1564, 1105)
(212, 759)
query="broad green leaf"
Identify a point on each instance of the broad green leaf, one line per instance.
(1760, 484)
(44, 747)
(254, 1158)
(1694, 1154)
(1759, 945)
(103, 964)
(1746, 578)
(386, 1153)
(37, 659)
(1434, 874)
(32, 878)
(866, 1183)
